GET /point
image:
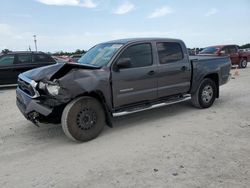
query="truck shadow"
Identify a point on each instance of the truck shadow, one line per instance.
(149, 116)
(140, 119)
(51, 131)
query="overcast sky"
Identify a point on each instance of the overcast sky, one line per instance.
(79, 24)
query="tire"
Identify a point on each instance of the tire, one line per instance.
(83, 119)
(205, 95)
(243, 63)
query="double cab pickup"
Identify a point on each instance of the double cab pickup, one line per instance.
(118, 78)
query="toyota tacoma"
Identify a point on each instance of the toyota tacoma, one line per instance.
(118, 78)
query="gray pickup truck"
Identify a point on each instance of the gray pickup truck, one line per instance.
(118, 78)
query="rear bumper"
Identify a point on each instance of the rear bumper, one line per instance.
(28, 105)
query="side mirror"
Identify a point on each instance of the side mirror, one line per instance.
(123, 63)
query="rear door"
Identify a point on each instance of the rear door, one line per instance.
(137, 83)
(7, 75)
(234, 55)
(174, 69)
(232, 51)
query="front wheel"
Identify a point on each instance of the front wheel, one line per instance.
(83, 119)
(205, 95)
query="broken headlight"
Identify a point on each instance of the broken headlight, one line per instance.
(50, 88)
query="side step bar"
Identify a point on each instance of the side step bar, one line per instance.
(166, 103)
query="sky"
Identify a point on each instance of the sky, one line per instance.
(68, 25)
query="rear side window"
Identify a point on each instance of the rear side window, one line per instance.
(42, 58)
(139, 54)
(232, 49)
(169, 52)
(23, 58)
(7, 60)
(226, 49)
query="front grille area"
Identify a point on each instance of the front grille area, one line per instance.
(26, 87)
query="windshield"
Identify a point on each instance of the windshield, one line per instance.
(100, 55)
(209, 50)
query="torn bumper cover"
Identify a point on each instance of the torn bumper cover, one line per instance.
(29, 107)
(32, 105)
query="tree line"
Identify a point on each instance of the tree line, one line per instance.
(78, 51)
(60, 53)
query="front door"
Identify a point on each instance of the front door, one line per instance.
(138, 82)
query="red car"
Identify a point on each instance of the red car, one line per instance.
(237, 57)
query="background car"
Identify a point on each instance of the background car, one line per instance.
(14, 63)
(75, 57)
(238, 57)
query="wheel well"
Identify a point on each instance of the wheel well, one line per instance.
(100, 97)
(215, 78)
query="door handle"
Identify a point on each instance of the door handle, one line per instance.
(184, 68)
(151, 72)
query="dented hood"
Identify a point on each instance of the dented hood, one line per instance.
(48, 72)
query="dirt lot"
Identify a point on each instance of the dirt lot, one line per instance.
(174, 146)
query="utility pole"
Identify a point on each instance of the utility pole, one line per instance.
(35, 42)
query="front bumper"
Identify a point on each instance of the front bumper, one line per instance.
(30, 107)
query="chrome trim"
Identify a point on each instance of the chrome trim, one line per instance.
(32, 83)
(18, 89)
(126, 90)
(185, 98)
(8, 85)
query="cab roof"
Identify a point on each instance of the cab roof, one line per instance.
(132, 40)
(25, 52)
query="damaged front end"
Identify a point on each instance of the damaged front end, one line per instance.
(37, 103)
(43, 93)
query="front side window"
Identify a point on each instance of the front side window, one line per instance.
(7, 60)
(24, 58)
(140, 55)
(169, 52)
(100, 55)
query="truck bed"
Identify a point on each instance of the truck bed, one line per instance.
(206, 65)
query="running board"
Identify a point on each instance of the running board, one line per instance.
(166, 103)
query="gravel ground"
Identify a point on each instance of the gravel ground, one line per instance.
(173, 146)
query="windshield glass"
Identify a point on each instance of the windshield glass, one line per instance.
(100, 55)
(209, 50)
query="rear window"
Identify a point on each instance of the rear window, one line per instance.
(209, 50)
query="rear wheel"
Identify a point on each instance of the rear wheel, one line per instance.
(243, 63)
(205, 95)
(83, 119)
